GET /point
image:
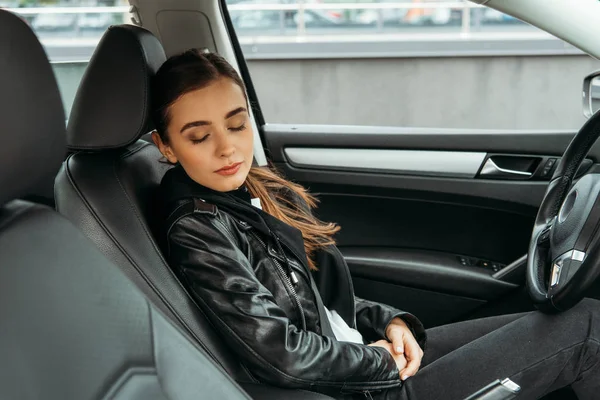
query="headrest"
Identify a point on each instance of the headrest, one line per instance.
(32, 119)
(112, 105)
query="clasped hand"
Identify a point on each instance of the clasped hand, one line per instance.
(403, 347)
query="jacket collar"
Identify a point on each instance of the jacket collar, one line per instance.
(177, 185)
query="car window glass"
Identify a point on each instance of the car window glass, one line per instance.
(407, 63)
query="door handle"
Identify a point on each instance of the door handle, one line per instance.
(490, 168)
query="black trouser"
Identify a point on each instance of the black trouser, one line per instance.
(539, 352)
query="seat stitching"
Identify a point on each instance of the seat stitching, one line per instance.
(126, 154)
(141, 221)
(162, 259)
(136, 266)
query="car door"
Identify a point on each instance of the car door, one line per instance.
(434, 221)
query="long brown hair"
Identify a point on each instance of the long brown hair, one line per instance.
(285, 200)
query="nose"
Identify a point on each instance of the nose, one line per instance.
(225, 148)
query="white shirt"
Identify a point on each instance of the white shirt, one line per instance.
(341, 330)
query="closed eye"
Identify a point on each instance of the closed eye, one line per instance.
(238, 128)
(198, 141)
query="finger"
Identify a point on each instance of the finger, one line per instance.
(413, 356)
(412, 349)
(411, 369)
(397, 339)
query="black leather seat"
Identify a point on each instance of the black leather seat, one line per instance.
(72, 326)
(107, 186)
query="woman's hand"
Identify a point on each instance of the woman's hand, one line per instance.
(399, 358)
(404, 343)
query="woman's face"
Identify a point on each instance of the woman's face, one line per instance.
(210, 135)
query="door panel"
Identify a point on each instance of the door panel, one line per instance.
(396, 221)
(432, 308)
(433, 285)
(428, 270)
(421, 228)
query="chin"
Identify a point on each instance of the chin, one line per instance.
(230, 187)
(232, 183)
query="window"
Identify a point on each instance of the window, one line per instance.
(69, 31)
(412, 63)
(258, 18)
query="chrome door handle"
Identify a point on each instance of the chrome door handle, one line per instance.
(491, 169)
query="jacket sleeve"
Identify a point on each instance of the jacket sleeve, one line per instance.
(219, 275)
(373, 318)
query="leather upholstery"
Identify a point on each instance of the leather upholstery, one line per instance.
(110, 196)
(110, 193)
(73, 327)
(33, 119)
(116, 83)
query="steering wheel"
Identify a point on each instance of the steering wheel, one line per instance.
(564, 252)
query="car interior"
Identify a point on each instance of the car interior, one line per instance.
(434, 221)
(72, 325)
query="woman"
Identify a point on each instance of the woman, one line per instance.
(245, 244)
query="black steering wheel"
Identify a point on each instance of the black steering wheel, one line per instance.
(564, 252)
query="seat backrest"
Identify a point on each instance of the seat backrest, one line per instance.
(107, 187)
(111, 197)
(72, 326)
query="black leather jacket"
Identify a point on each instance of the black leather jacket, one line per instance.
(236, 276)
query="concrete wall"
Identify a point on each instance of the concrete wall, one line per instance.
(474, 92)
(471, 92)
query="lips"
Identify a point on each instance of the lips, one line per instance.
(229, 169)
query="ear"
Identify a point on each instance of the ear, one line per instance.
(165, 149)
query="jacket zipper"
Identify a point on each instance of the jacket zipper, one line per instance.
(288, 280)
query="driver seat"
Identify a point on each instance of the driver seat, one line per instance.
(107, 187)
(72, 326)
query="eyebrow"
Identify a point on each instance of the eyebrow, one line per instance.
(194, 124)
